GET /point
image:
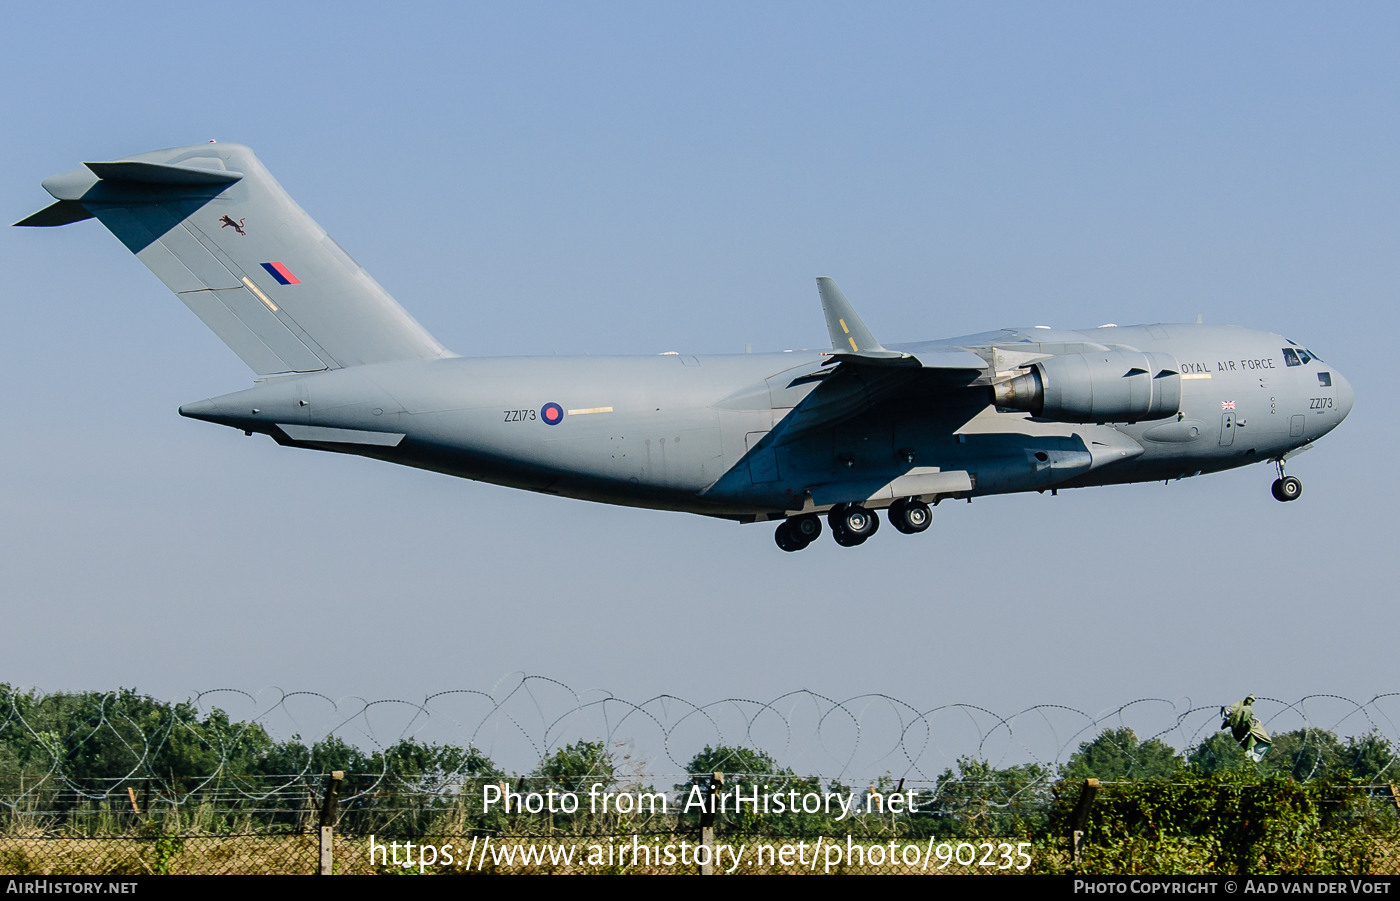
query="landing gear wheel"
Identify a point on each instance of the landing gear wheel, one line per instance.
(797, 532)
(807, 527)
(910, 515)
(786, 541)
(846, 539)
(852, 524)
(790, 537)
(1288, 488)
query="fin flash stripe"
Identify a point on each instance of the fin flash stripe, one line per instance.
(281, 273)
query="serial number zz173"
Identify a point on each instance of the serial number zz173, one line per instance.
(1321, 403)
(518, 415)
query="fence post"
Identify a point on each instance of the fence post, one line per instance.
(707, 823)
(328, 822)
(1079, 820)
(1395, 794)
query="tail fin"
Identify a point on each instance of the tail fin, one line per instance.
(220, 232)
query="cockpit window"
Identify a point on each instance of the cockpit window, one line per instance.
(1304, 355)
(1290, 357)
(1314, 356)
(1324, 379)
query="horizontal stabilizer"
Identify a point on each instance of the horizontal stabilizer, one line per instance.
(61, 213)
(162, 173)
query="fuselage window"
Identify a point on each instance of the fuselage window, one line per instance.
(1324, 379)
(1290, 358)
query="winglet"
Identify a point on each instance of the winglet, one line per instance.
(847, 329)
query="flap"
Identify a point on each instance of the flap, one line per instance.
(925, 482)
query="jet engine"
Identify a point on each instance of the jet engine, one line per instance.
(1109, 386)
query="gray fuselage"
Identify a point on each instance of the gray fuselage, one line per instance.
(690, 433)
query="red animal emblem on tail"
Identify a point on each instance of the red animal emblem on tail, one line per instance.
(227, 222)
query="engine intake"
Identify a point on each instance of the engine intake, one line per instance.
(1110, 386)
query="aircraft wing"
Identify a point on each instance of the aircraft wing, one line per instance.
(846, 392)
(866, 372)
(951, 358)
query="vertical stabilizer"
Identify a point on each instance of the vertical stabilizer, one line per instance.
(214, 225)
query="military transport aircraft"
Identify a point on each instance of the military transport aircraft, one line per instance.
(780, 437)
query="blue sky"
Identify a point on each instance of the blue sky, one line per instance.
(618, 178)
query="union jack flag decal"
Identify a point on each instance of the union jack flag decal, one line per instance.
(1227, 405)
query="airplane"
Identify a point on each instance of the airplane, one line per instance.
(790, 437)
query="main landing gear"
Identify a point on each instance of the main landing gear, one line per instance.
(910, 515)
(1286, 487)
(852, 524)
(797, 532)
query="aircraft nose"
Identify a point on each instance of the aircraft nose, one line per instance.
(1345, 396)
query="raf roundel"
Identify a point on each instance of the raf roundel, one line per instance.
(552, 414)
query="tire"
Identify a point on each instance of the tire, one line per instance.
(1289, 489)
(788, 538)
(807, 527)
(896, 515)
(911, 516)
(856, 521)
(1277, 490)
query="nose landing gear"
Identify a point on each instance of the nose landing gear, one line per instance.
(1286, 487)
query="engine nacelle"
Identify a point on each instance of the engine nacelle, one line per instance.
(1109, 386)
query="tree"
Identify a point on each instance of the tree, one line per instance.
(1304, 754)
(1217, 754)
(1116, 755)
(1371, 757)
(742, 768)
(575, 767)
(738, 764)
(979, 799)
(93, 738)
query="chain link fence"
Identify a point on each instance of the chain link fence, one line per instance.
(233, 782)
(698, 826)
